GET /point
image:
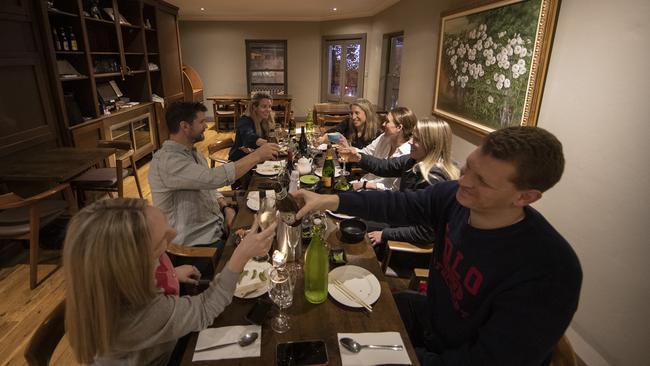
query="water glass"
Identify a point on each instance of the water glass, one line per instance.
(281, 293)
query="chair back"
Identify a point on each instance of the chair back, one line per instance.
(330, 113)
(563, 354)
(220, 145)
(47, 336)
(115, 144)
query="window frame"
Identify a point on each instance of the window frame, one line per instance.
(346, 39)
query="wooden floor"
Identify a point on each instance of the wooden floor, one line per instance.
(22, 310)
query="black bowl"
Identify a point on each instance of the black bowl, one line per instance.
(352, 230)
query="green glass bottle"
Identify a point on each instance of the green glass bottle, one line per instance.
(328, 169)
(309, 124)
(316, 265)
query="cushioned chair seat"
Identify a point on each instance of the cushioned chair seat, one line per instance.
(21, 215)
(101, 176)
(24, 228)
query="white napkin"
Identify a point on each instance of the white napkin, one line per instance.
(214, 336)
(374, 356)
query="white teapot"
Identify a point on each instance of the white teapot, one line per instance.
(304, 165)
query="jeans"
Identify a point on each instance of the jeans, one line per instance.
(414, 311)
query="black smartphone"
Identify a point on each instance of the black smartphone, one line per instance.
(301, 353)
(259, 311)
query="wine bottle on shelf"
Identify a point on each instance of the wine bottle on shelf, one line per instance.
(302, 144)
(73, 41)
(57, 41)
(316, 265)
(64, 42)
(286, 204)
(328, 169)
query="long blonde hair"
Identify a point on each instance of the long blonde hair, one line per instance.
(108, 268)
(435, 136)
(262, 127)
(370, 127)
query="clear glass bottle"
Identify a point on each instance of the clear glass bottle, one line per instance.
(316, 265)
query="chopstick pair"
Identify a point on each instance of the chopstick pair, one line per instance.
(351, 295)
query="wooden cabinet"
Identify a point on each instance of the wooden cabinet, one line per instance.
(266, 66)
(124, 46)
(192, 84)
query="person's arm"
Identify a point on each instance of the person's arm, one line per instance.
(265, 152)
(392, 167)
(168, 318)
(415, 234)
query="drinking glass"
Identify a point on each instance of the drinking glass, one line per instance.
(281, 292)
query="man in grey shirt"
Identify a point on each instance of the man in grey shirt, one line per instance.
(184, 187)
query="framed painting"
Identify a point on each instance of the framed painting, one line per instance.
(492, 62)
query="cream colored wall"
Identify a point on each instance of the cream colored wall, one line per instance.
(217, 51)
(595, 100)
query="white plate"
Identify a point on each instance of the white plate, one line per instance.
(340, 215)
(270, 167)
(322, 147)
(358, 280)
(253, 199)
(247, 283)
(319, 172)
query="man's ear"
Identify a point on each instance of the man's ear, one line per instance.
(528, 196)
(184, 125)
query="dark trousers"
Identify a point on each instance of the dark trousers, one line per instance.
(203, 264)
(414, 311)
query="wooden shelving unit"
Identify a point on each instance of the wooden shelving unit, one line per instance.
(110, 51)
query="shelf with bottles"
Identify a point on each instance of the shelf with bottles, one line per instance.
(66, 36)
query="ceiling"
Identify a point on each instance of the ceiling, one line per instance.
(278, 10)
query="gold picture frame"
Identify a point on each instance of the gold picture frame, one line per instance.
(492, 62)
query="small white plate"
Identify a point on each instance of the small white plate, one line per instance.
(340, 215)
(319, 172)
(247, 283)
(358, 280)
(322, 147)
(253, 199)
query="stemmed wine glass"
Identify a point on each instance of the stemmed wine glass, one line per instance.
(267, 216)
(281, 292)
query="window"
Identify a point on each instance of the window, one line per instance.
(343, 67)
(266, 66)
(391, 66)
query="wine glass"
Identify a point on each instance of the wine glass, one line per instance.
(281, 292)
(267, 216)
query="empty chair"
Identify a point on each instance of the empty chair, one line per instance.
(227, 111)
(218, 149)
(22, 218)
(47, 336)
(329, 114)
(109, 179)
(404, 247)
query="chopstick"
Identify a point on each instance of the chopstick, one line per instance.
(347, 292)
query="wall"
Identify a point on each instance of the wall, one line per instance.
(217, 51)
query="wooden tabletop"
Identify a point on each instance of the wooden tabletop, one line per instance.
(59, 164)
(311, 321)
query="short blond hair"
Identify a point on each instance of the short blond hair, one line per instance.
(108, 268)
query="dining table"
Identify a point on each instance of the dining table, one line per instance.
(308, 321)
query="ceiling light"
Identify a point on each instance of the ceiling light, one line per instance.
(202, 9)
(333, 9)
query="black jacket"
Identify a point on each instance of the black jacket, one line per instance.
(402, 167)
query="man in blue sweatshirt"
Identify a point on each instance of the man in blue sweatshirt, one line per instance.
(503, 283)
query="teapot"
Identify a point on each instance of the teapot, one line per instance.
(304, 165)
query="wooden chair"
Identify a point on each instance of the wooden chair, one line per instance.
(41, 346)
(563, 354)
(22, 218)
(328, 114)
(225, 110)
(217, 149)
(400, 246)
(195, 252)
(109, 179)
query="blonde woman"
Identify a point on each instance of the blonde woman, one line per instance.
(253, 127)
(428, 163)
(361, 128)
(114, 313)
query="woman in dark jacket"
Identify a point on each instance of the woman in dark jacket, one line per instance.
(428, 163)
(253, 127)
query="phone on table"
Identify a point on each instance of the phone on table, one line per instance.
(307, 353)
(259, 311)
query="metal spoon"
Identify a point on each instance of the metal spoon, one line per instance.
(244, 341)
(353, 346)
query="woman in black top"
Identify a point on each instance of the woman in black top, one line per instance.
(360, 128)
(253, 127)
(428, 163)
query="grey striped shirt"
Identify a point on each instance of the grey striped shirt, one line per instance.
(184, 187)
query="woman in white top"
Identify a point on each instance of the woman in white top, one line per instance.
(394, 142)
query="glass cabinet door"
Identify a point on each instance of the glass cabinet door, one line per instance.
(141, 133)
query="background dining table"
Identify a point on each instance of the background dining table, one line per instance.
(309, 321)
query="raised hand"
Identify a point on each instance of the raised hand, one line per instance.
(267, 151)
(252, 245)
(311, 201)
